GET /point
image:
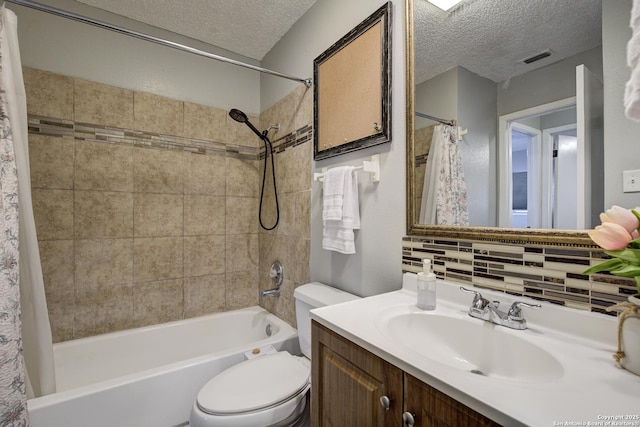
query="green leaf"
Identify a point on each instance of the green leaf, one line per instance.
(627, 271)
(635, 244)
(637, 214)
(605, 266)
(628, 254)
(638, 283)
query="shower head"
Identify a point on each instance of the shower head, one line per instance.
(238, 116)
(241, 117)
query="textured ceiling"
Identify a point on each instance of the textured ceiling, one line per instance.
(487, 37)
(492, 37)
(248, 27)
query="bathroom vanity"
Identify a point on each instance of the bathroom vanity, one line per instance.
(380, 361)
(352, 386)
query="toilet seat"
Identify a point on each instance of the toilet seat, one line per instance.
(255, 385)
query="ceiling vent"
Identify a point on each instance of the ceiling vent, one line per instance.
(537, 57)
(445, 5)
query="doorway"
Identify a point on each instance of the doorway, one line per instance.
(559, 186)
(582, 169)
(527, 189)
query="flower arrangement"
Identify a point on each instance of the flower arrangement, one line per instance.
(619, 236)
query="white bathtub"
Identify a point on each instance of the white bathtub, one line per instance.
(150, 376)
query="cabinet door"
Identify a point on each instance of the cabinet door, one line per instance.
(347, 384)
(432, 408)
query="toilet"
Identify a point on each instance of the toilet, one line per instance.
(270, 390)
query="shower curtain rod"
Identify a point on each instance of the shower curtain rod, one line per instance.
(136, 34)
(437, 119)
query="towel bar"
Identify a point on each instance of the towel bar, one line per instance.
(372, 167)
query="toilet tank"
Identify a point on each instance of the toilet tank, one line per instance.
(308, 297)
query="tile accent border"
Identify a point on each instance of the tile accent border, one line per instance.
(112, 135)
(544, 273)
(300, 136)
(421, 160)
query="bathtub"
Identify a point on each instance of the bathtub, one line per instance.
(150, 376)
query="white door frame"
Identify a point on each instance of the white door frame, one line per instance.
(504, 152)
(547, 160)
(533, 165)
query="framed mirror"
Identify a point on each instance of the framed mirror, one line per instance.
(475, 75)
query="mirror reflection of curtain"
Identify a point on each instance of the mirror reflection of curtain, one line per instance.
(444, 194)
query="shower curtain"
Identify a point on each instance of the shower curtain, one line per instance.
(31, 311)
(444, 194)
(13, 394)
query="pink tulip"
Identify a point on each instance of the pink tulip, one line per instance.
(621, 216)
(610, 236)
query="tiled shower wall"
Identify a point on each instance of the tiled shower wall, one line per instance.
(290, 241)
(146, 207)
(547, 273)
(422, 143)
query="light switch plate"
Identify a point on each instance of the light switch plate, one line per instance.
(630, 181)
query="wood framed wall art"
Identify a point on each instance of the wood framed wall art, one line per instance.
(352, 92)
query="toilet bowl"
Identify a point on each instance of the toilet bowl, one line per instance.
(264, 391)
(270, 390)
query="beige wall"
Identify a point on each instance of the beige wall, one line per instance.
(146, 207)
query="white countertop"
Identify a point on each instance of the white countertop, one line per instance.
(592, 390)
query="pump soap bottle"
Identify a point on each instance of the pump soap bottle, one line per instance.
(426, 287)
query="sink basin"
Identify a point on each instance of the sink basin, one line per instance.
(479, 348)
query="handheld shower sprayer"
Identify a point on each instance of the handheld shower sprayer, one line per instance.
(241, 117)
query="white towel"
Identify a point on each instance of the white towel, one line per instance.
(333, 193)
(633, 50)
(635, 15)
(632, 96)
(632, 88)
(340, 212)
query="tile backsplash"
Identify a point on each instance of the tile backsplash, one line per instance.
(146, 207)
(548, 273)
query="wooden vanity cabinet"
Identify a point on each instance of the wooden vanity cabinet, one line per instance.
(348, 382)
(432, 408)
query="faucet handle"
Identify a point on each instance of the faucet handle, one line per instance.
(479, 302)
(515, 312)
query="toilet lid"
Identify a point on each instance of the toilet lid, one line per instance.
(255, 384)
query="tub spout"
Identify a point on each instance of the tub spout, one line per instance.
(275, 292)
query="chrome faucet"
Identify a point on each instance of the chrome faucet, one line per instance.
(270, 293)
(277, 276)
(482, 308)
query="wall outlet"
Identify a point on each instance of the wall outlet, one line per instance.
(630, 181)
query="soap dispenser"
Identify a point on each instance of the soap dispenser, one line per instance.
(426, 287)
